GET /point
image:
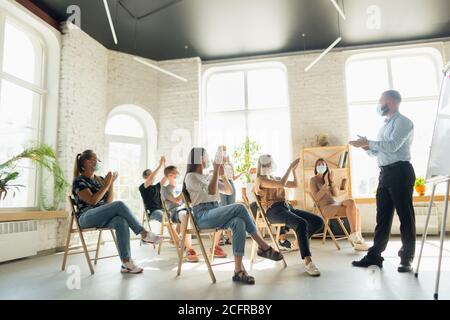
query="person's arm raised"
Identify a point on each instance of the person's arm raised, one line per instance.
(293, 183)
(93, 198)
(151, 177)
(213, 183)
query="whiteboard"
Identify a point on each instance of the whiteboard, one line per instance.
(439, 160)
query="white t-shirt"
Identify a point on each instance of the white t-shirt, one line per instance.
(197, 186)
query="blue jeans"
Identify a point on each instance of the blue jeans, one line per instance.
(114, 215)
(228, 199)
(234, 216)
(158, 214)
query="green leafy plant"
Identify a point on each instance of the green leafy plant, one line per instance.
(245, 157)
(43, 156)
(419, 182)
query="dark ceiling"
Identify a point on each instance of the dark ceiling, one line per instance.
(218, 29)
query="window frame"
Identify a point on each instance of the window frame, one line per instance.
(35, 187)
(434, 55)
(245, 68)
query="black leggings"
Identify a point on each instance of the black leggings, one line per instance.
(304, 223)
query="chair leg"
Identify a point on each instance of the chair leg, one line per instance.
(66, 250)
(182, 246)
(333, 237)
(163, 223)
(86, 252)
(205, 255)
(172, 237)
(325, 231)
(214, 243)
(98, 246)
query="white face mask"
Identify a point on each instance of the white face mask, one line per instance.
(321, 168)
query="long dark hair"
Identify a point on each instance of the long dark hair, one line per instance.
(325, 173)
(79, 162)
(194, 161)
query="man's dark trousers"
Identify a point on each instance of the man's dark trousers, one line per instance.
(395, 191)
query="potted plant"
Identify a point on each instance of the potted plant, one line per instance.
(43, 156)
(244, 157)
(420, 186)
(322, 140)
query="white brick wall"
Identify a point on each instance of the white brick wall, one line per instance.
(178, 108)
(83, 90)
(130, 82)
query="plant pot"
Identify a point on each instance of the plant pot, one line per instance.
(420, 190)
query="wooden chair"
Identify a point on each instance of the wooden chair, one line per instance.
(168, 224)
(327, 229)
(80, 231)
(262, 222)
(195, 230)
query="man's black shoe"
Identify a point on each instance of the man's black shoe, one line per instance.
(405, 266)
(367, 262)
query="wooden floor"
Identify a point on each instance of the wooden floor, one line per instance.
(40, 277)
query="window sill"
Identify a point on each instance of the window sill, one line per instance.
(6, 216)
(438, 198)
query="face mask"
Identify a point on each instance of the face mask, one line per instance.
(253, 177)
(98, 166)
(382, 110)
(321, 169)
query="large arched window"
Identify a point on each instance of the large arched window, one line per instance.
(415, 73)
(22, 93)
(248, 101)
(131, 145)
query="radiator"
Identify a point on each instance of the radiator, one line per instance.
(421, 211)
(18, 239)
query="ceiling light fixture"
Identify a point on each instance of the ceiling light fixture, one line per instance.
(323, 54)
(151, 65)
(111, 25)
(338, 9)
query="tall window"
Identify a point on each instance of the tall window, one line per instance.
(415, 73)
(127, 154)
(21, 100)
(248, 101)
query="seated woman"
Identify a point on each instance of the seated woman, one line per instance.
(323, 188)
(273, 199)
(202, 191)
(96, 209)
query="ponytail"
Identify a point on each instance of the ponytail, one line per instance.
(76, 167)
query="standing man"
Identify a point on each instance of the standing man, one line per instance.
(396, 182)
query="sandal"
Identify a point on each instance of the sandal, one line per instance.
(270, 254)
(243, 277)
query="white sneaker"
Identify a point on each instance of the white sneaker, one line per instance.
(152, 238)
(358, 243)
(353, 238)
(130, 267)
(361, 246)
(312, 270)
